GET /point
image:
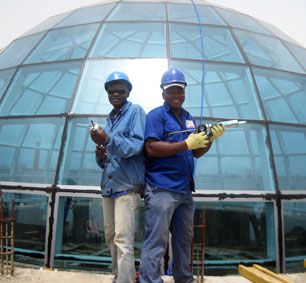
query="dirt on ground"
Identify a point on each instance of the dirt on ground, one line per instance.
(27, 275)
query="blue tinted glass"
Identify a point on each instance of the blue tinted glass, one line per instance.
(185, 42)
(295, 231)
(289, 148)
(41, 89)
(276, 32)
(239, 160)
(187, 13)
(298, 52)
(30, 221)
(245, 232)
(131, 40)
(5, 77)
(138, 12)
(91, 97)
(16, 52)
(229, 91)
(80, 220)
(283, 95)
(87, 15)
(29, 149)
(48, 23)
(259, 51)
(238, 20)
(62, 44)
(79, 166)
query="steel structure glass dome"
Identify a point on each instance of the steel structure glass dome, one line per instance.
(252, 183)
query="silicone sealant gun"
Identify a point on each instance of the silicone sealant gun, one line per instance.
(207, 127)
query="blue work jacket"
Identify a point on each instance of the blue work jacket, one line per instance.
(175, 172)
(123, 166)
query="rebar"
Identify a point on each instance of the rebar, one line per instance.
(197, 248)
(7, 235)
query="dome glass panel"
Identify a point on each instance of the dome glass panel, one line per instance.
(125, 11)
(130, 40)
(5, 77)
(186, 42)
(29, 149)
(41, 89)
(298, 52)
(92, 98)
(289, 148)
(241, 21)
(229, 91)
(283, 95)
(251, 169)
(187, 13)
(48, 24)
(87, 15)
(64, 44)
(18, 50)
(267, 51)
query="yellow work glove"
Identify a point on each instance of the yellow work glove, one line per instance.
(195, 141)
(217, 131)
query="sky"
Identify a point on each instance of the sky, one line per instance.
(19, 16)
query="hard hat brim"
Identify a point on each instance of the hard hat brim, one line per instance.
(173, 84)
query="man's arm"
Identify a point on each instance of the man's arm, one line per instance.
(196, 142)
(155, 148)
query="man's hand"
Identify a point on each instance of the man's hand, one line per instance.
(195, 141)
(217, 131)
(99, 136)
(100, 152)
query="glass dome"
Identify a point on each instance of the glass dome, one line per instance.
(237, 67)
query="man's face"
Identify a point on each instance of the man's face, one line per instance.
(174, 96)
(118, 94)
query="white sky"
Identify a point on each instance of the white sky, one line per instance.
(19, 16)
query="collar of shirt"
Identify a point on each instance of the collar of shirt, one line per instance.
(122, 110)
(184, 113)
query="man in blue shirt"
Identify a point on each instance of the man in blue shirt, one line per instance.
(171, 145)
(119, 154)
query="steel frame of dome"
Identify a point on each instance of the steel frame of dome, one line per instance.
(252, 72)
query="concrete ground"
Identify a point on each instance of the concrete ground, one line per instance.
(28, 275)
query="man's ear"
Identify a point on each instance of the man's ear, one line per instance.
(163, 94)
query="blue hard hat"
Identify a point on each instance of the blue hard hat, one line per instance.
(173, 77)
(117, 77)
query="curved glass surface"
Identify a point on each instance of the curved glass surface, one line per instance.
(86, 15)
(289, 148)
(283, 95)
(267, 51)
(64, 44)
(186, 42)
(92, 98)
(238, 161)
(132, 40)
(18, 50)
(242, 21)
(40, 89)
(29, 149)
(138, 12)
(228, 93)
(5, 77)
(187, 13)
(52, 86)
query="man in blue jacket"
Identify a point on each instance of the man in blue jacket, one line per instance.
(119, 154)
(171, 146)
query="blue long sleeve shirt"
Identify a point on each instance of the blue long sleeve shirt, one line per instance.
(123, 166)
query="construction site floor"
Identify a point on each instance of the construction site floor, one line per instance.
(29, 275)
